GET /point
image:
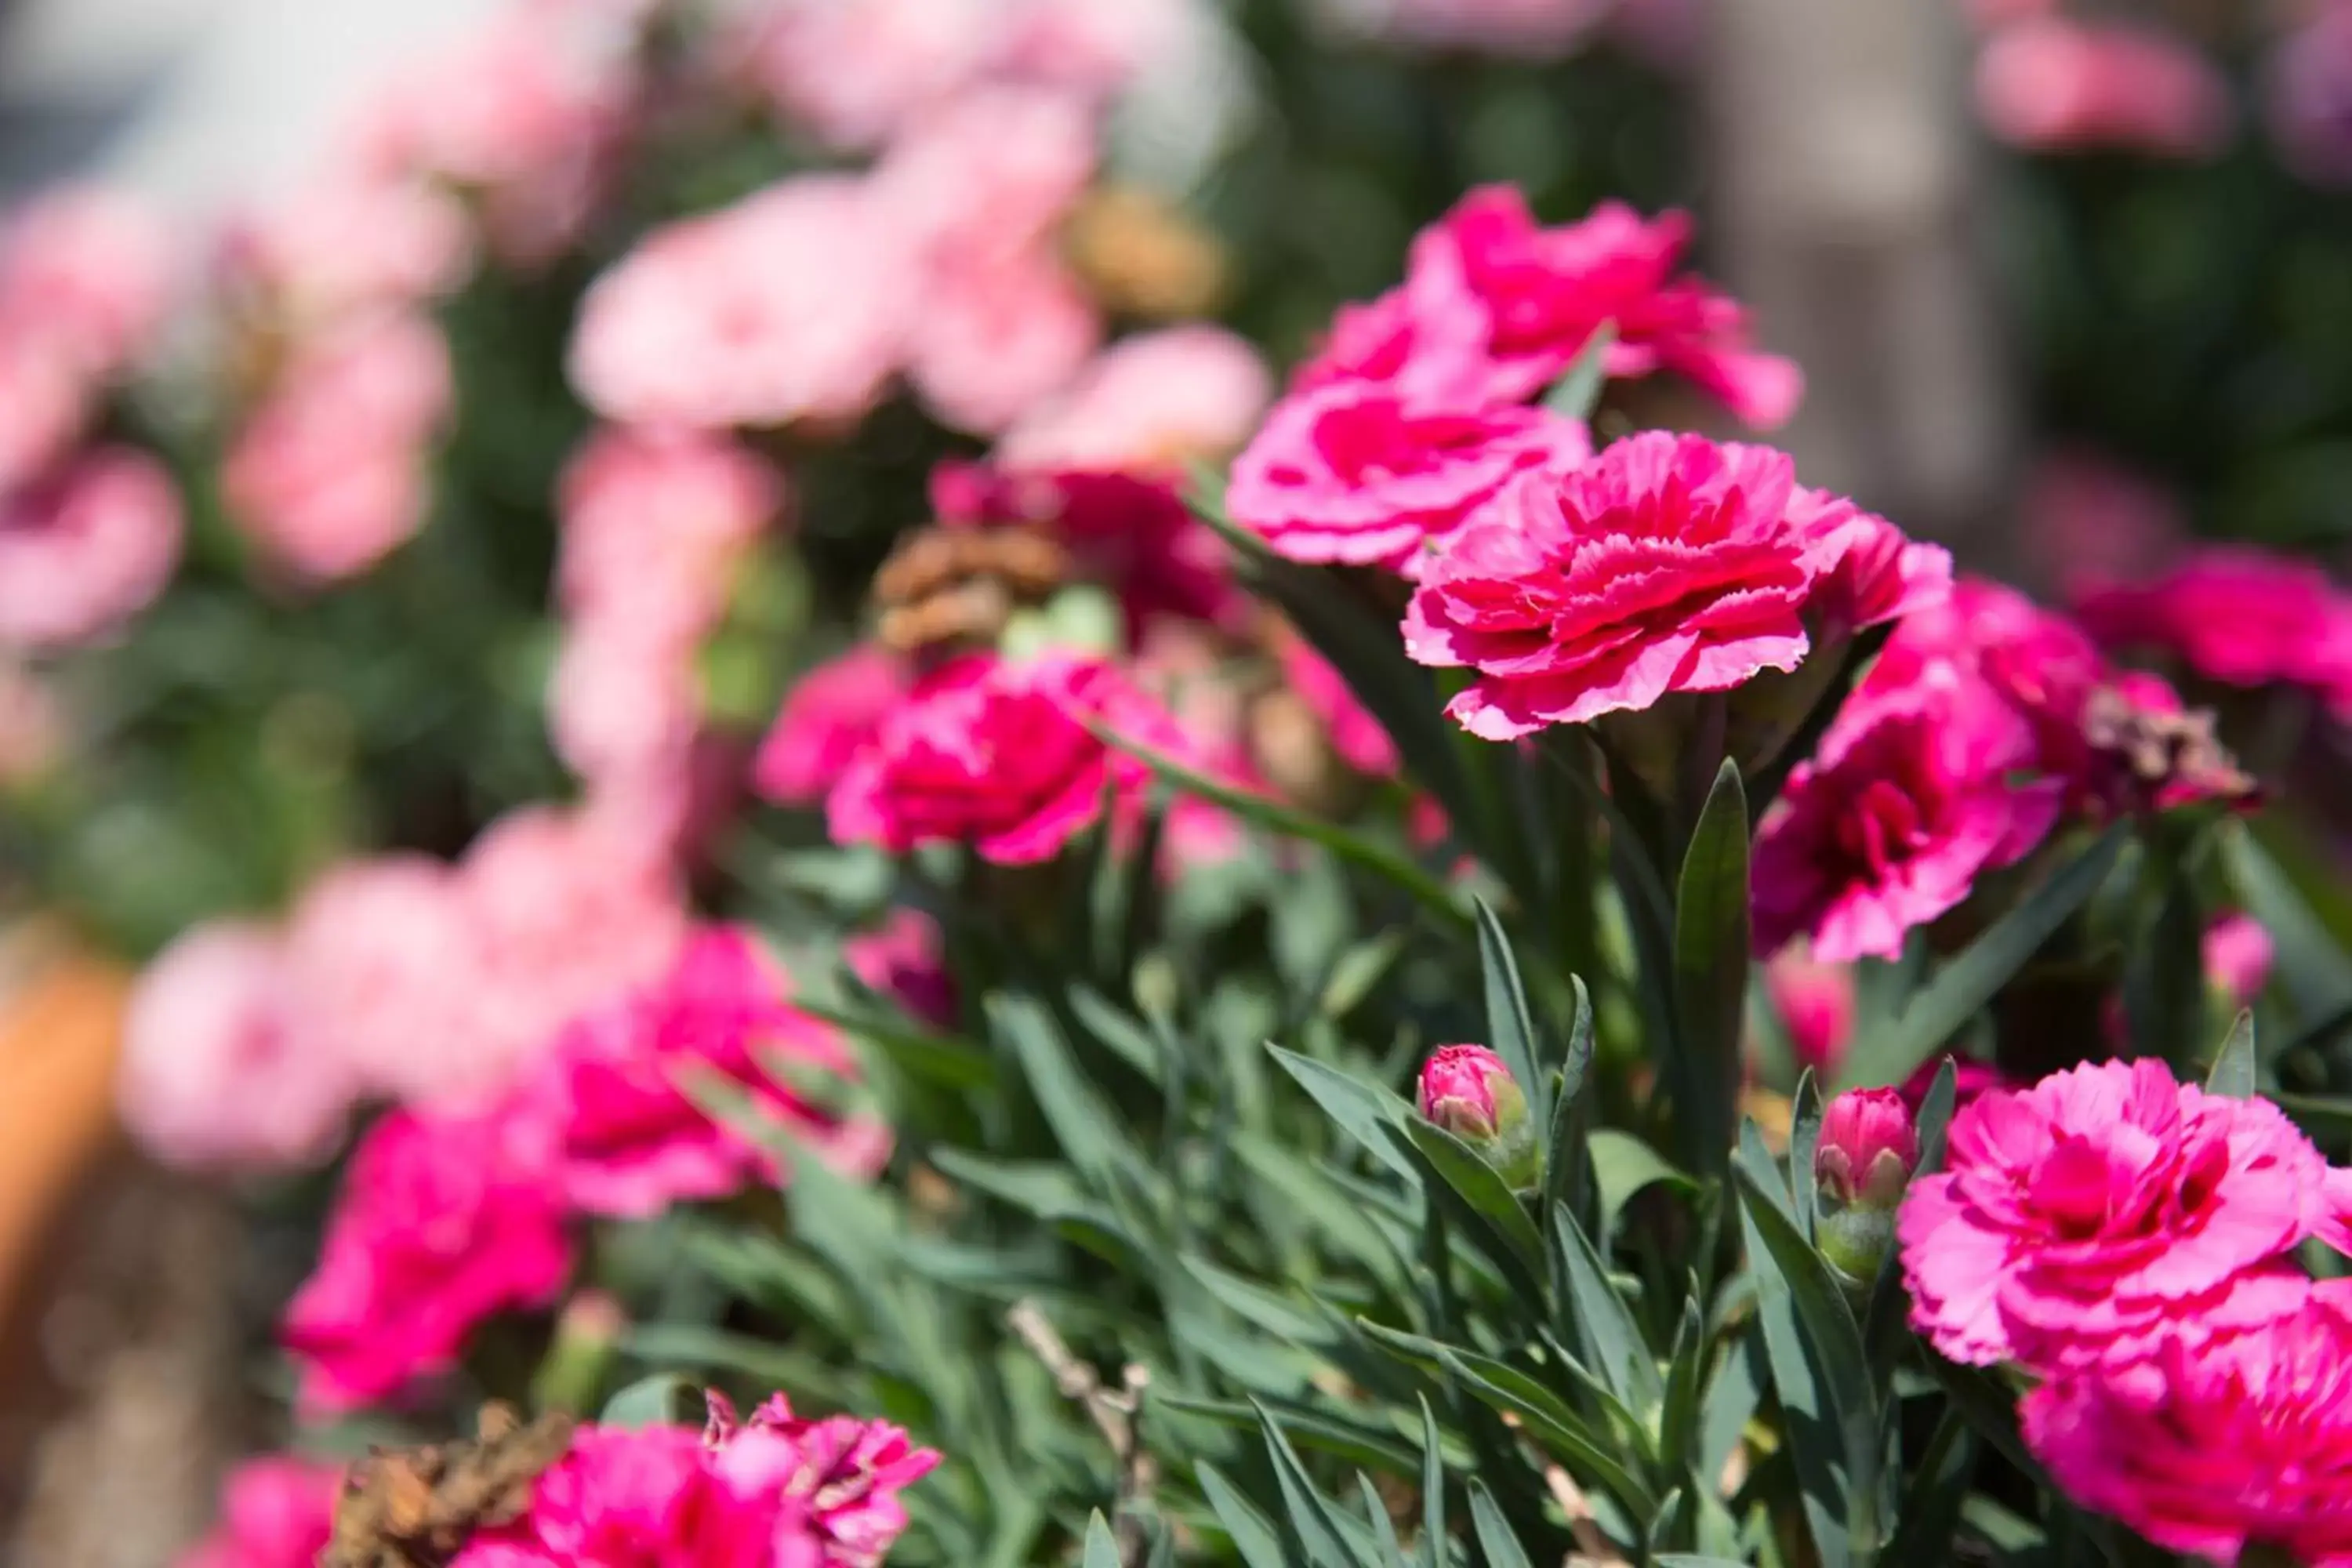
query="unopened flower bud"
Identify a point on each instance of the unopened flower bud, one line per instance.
(1867, 1148)
(1467, 1090)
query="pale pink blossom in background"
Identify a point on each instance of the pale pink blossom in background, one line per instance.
(856, 70)
(329, 474)
(792, 304)
(652, 525)
(622, 706)
(2052, 84)
(1149, 401)
(830, 715)
(2307, 95)
(277, 1511)
(2238, 955)
(32, 725)
(995, 337)
(2091, 520)
(1354, 733)
(90, 269)
(1086, 46)
(85, 547)
(46, 401)
(1816, 1004)
(216, 1071)
(349, 241)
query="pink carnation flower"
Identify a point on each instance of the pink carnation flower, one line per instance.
(2227, 1445)
(2240, 616)
(1146, 403)
(830, 716)
(1496, 307)
(854, 71)
(906, 958)
(87, 271)
(329, 475)
(435, 1230)
(2307, 95)
(1667, 565)
(835, 1480)
(2050, 84)
(997, 755)
(792, 304)
(2089, 519)
(276, 1512)
(2237, 954)
(624, 705)
(216, 1070)
(2078, 1223)
(86, 548)
(351, 242)
(652, 522)
(1354, 472)
(613, 1098)
(1817, 1007)
(1887, 826)
(998, 336)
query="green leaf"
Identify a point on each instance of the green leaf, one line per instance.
(1622, 1165)
(649, 1402)
(1577, 392)
(1687, 1559)
(1678, 1418)
(2236, 1065)
(1478, 1184)
(2164, 982)
(1358, 1443)
(1041, 1187)
(1315, 1521)
(1931, 1507)
(1392, 1554)
(1128, 1039)
(1711, 945)
(1511, 1031)
(1361, 1109)
(1278, 1315)
(1804, 1140)
(1359, 969)
(1556, 1428)
(1102, 1548)
(1432, 1491)
(1568, 1159)
(1082, 1122)
(1495, 1541)
(1963, 986)
(1285, 821)
(2312, 966)
(943, 1060)
(1821, 1304)
(1253, 1534)
(1604, 1326)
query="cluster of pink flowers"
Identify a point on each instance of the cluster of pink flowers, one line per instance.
(2048, 83)
(2127, 1238)
(89, 529)
(2235, 616)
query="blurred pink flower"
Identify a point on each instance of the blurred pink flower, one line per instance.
(1816, 1004)
(2224, 1446)
(1494, 307)
(86, 269)
(436, 1229)
(85, 547)
(831, 714)
(2052, 84)
(1147, 402)
(349, 242)
(1971, 1080)
(329, 474)
(2093, 521)
(794, 303)
(1355, 472)
(906, 958)
(2080, 1222)
(615, 1095)
(32, 725)
(624, 705)
(1907, 801)
(46, 401)
(2237, 954)
(997, 755)
(216, 1070)
(1667, 565)
(1354, 733)
(1086, 46)
(835, 1480)
(2239, 615)
(277, 1511)
(2307, 95)
(854, 71)
(998, 336)
(652, 525)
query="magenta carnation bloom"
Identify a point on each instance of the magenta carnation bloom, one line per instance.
(2240, 1442)
(1467, 1090)
(86, 548)
(906, 958)
(834, 1481)
(1355, 472)
(830, 715)
(437, 1228)
(1496, 307)
(1889, 824)
(1868, 1145)
(2238, 953)
(626, 1137)
(2240, 616)
(276, 1512)
(1816, 1004)
(1667, 565)
(997, 755)
(2078, 1222)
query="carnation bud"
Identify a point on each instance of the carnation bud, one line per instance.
(1467, 1090)
(1868, 1146)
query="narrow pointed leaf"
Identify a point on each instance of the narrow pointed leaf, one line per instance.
(1622, 1165)
(1678, 1419)
(1711, 943)
(1604, 1326)
(1495, 1542)
(1560, 1431)
(1315, 1521)
(1073, 1108)
(1102, 1548)
(1361, 1109)
(1511, 1029)
(1577, 391)
(1383, 1527)
(1432, 1491)
(649, 1402)
(1478, 1184)
(2235, 1067)
(1253, 1534)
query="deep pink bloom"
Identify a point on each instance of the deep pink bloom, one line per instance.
(792, 304)
(1467, 1090)
(329, 474)
(2041, 666)
(1353, 732)
(906, 958)
(2238, 955)
(1355, 472)
(2238, 615)
(1496, 307)
(1147, 404)
(2243, 1441)
(830, 715)
(2089, 519)
(86, 548)
(2307, 95)
(1868, 1145)
(613, 1098)
(2078, 1222)
(2333, 1223)
(1889, 825)
(436, 1229)
(835, 1480)
(216, 1070)
(2051, 84)
(276, 1512)
(1816, 1004)
(1667, 565)
(997, 755)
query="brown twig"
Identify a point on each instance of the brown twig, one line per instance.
(1115, 1414)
